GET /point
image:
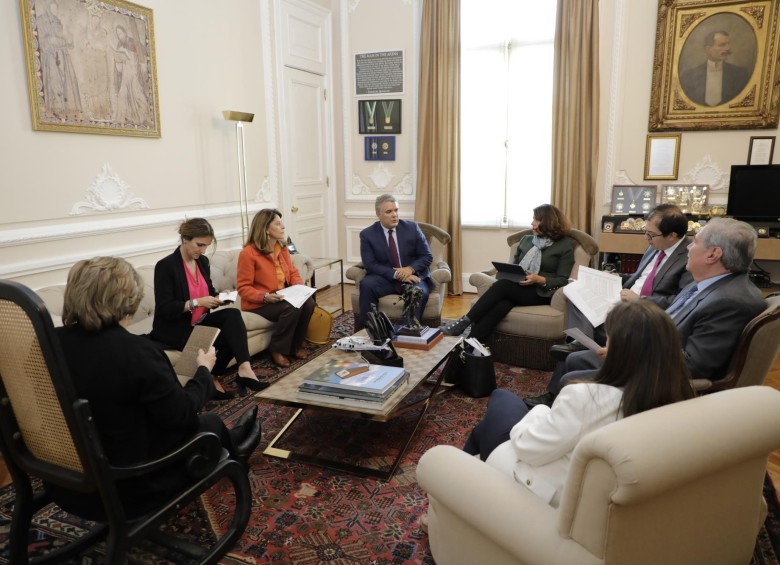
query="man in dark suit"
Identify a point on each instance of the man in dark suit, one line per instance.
(659, 278)
(710, 313)
(394, 252)
(715, 81)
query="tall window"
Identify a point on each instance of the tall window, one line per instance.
(506, 109)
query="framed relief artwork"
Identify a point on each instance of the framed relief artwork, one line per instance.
(691, 198)
(379, 116)
(633, 199)
(91, 67)
(716, 65)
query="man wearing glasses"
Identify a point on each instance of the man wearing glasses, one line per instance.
(710, 312)
(660, 276)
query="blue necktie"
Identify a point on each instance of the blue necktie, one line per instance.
(678, 304)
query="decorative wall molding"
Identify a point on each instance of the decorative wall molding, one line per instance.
(103, 227)
(621, 177)
(615, 98)
(708, 172)
(264, 194)
(271, 125)
(107, 194)
(381, 176)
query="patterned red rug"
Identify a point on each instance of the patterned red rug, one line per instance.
(305, 514)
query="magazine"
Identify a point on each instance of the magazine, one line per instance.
(202, 337)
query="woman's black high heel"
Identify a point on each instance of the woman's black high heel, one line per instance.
(251, 384)
(224, 395)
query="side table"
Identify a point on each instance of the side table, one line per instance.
(321, 263)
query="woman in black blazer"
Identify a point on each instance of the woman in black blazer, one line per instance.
(184, 296)
(547, 257)
(140, 410)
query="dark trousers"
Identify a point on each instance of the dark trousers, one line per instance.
(496, 303)
(503, 412)
(578, 366)
(374, 287)
(231, 341)
(291, 324)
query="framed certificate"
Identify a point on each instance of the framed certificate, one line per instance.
(633, 199)
(662, 156)
(760, 150)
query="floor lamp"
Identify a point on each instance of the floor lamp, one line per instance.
(243, 199)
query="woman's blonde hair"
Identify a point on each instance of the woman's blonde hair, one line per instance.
(100, 292)
(258, 232)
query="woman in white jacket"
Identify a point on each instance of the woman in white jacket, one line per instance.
(644, 369)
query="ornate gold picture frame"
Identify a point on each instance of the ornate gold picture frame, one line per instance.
(91, 67)
(717, 65)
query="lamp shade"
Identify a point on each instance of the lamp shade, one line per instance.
(236, 116)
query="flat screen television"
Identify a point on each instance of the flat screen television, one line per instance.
(754, 193)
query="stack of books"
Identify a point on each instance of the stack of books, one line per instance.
(353, 384)
(428, 338)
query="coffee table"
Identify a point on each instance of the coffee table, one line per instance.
(419, 363)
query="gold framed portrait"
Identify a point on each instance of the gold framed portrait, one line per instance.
(716, 65)
(91, 67)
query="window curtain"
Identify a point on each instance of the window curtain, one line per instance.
(438, 133)
(576, 111)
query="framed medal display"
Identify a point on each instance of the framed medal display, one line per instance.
(691, 198)
(379, 117)
(380, 148)
(633, 200)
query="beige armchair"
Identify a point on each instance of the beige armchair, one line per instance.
(679, 484)
(438, 239)
(524, 337)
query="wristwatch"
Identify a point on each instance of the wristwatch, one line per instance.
(194, 303)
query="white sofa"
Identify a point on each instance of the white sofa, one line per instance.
(679, 484)
(223, 275)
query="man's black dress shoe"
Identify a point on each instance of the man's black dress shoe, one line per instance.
(561, 352)
(546, 399)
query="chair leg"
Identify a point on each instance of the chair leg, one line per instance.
(24, 508)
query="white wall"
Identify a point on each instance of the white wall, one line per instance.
(208, 59)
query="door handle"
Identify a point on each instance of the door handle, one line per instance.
(294, 209)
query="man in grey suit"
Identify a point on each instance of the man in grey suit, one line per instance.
(710, 313)
(659, 278)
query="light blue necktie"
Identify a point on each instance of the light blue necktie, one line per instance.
(678, 304)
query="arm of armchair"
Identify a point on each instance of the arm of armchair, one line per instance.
(482, 281)
(356, 273)
(304, 265)
(501, 517)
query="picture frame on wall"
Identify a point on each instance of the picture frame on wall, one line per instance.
(761, 150)
(380, 148)
(662, 156)
(740, 40)
(633, 199)
(91, 67)
(690, 198)
(379, 116)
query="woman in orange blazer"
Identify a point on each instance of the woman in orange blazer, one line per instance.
(265, 266)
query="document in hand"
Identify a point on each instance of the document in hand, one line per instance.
(297, 294)
(594, 293)
(202, 337)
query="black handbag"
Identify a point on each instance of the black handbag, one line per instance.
(474, 373)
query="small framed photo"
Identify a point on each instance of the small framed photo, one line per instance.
(662, 156)
(379, 116)
(380, 148)
(761, 150)
(691, 198)
(633, 199)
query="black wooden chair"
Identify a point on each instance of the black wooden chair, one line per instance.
(47, 433)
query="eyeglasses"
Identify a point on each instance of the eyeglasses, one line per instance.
(651, 235)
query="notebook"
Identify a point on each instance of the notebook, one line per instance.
(202, 337)
(509, 271)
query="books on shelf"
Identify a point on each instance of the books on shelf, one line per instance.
(375, 384)
(428, 338)
(202, 337)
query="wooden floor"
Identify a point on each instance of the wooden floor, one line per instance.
(456, 306)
